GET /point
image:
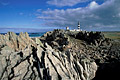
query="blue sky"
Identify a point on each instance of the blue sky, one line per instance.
(37, 15)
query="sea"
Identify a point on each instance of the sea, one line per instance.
(39, 34)
(36, 34)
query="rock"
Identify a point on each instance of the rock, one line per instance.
(38, 42)
(17, 65)
(55, 39)
(40, 64)
(61, 67)
(16, 42)
(58, 55)
(90, 37)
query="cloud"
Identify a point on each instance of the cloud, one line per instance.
(61, 3)
(92, 17)
(39, 10)
(21, 13)
(4, 3)
(93, 5)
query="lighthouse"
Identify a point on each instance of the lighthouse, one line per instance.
(79, 25)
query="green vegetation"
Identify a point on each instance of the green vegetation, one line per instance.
(112, 35)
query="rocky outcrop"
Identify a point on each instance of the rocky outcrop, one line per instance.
(90, 37)
(63, 66)
(16, 42)
(92, 46)
(58, 55)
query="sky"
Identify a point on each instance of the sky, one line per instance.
(40, 15)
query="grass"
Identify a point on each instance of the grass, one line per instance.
(112, 35)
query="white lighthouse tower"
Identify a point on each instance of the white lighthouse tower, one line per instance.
(79, 25)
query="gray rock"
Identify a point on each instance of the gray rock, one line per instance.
(16, 42)
(21, 58)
